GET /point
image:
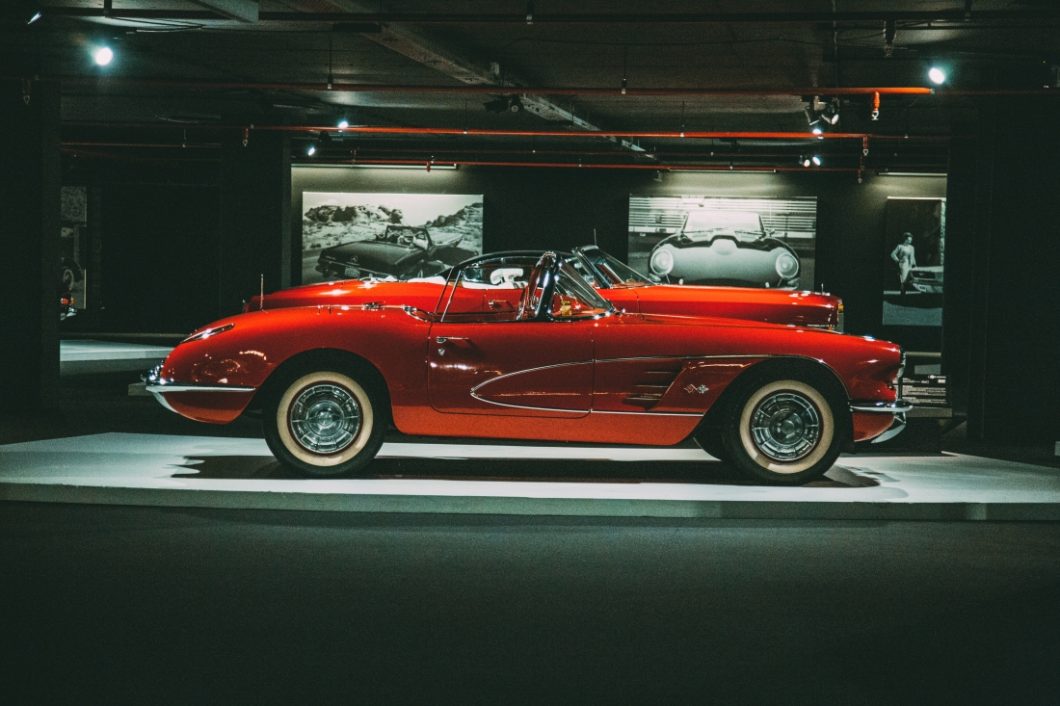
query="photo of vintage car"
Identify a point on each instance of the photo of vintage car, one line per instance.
(725, 248)
(623, 286)
(927, 280)
(399, 251)
(507, 353)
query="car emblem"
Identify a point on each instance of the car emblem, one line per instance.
(698, 389)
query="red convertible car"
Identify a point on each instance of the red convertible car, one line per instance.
(562, 363)
(616, 281)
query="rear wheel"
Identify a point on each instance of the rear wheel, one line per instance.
(325, 423)
(783, 430)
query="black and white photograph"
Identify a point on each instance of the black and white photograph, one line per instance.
(742, 242)
(73, 225)
(915, 246)
(399, 236)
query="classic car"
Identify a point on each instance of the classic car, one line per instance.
(507, 353)
(927, 279)
(725, 247)
(399, 251)
(617, 282)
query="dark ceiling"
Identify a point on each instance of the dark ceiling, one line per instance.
(734, 76)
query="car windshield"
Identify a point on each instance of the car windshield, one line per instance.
(574, 297)
(711, 233)
(610, 271)
(713, 220)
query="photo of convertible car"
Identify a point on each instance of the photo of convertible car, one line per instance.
(623, 286)
(927, 279)
(728, 248)
(399, 251)
(508, 353)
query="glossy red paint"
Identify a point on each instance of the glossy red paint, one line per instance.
(622, 378)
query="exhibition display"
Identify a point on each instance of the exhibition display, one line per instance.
(514, 352)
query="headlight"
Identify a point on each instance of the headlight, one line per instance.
(208, 332)
(662, 262)
(787, 266)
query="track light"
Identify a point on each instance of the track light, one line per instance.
(311, 150)
(808, 161)
(343, 124)
(830, 113)
(821, 114)
(937, 75)
(102, 55)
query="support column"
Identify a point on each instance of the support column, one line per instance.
(29, 241)
(1002, 314)
(255, 228)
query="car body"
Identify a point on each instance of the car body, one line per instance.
(726, 248)
(400, 251)
(510, 352)
(927, 279)
(618, 283)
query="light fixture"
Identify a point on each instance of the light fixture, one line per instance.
(37, 14)
(103, 55)
(816, 159)
(830, 112)
(937, 75)
(804, 161)
(343, 124)
(808, 161)
(311, 150)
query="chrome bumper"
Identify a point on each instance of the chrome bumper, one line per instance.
(898, 408)
(156, 385)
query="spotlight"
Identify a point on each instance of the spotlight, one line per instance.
(343, 124)
(937, 75)
(817, 129)
(311, 150)
(816, 159)
(805, 161)
(37, 14)
(103, 56)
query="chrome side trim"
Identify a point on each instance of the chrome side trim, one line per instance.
(649, 414)
(162, 401)
(896, 407)
(579, 412)
(158, 389)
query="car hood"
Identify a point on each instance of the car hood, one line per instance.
(369, 252)
(422, 294)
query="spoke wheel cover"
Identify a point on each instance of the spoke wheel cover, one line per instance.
(325, 419)
(785, 426)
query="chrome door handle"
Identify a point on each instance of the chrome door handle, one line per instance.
(446, 339)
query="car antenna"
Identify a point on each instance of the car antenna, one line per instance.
(261, 291)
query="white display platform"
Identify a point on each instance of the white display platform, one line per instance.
(201, 471)
(81, 357)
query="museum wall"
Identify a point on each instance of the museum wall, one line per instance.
(561, 208)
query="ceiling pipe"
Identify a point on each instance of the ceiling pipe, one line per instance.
(484, 89)
(639, 18)
(633, 134)
(573, 165)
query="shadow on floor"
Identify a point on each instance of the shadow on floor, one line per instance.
(522, 470)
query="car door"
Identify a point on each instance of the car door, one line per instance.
(484, 359)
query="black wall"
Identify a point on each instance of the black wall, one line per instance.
(560, 208)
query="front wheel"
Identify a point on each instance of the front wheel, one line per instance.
(783, 431)
(325, 423)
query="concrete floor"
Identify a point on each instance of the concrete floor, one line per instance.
(219, 472)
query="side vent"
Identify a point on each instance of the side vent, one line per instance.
(651, 385)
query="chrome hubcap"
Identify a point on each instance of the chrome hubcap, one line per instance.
(786, 426)
(325, 418)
